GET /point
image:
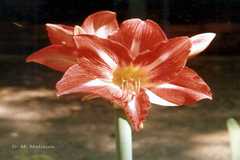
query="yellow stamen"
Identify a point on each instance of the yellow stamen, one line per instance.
(130, 78)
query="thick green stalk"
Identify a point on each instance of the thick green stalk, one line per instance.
(123, 137)
(234, 131)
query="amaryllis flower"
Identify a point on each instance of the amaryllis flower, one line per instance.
(61, 53)
(138, 66)
(158, 76)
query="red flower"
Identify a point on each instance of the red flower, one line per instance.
(137, 66)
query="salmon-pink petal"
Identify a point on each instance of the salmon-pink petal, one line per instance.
(112, 53)
(200, 42)
(167, 59)
(137, 109)
(102, 23)
(138, 35)
(78, 79)
(57, 57)
(187, 88)
(60, 34)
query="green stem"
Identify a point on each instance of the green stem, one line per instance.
(234, 131)
(123, 137)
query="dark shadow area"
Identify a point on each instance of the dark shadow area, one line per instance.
(23, 30)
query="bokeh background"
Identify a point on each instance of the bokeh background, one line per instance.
(35, 125)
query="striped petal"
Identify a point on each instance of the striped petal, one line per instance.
(101, 23)
(161, 52)
(138, 35)
(187, 88)
(57, 57)
(137, 109)
(155, 99)
(200, 42)
(78, 79)
(167, 59)
(112, 53)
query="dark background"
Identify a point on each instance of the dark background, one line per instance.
(23, 31)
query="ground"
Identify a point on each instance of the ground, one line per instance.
(35, 124)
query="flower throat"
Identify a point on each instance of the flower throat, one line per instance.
(129, 78)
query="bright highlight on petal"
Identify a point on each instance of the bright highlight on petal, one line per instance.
(155, 99)
(200, 42)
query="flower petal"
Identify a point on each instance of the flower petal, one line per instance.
(102, 23)
(167, 59)
(187, 88)
(138, 35)
(55, 56)
(96, 68)
(200, 42)
(155, 99)
(78, 79)
(137, 109)
(60, 34)
(112, 53)
(161, 52)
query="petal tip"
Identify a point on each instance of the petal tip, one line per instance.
(48, 24)
(31, 58)
(200, 42)
(51, 26)
(210, 35)
(59, 93)
(210, 97)
(28, 59)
